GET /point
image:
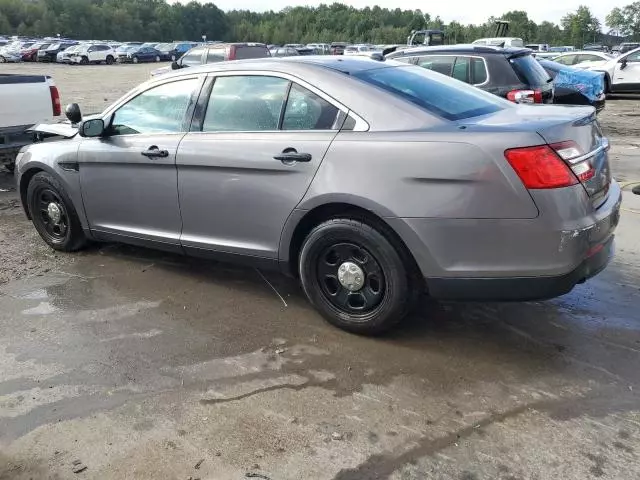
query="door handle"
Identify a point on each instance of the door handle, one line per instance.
(289, 157)
(155, 152)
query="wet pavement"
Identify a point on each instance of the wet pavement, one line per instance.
(143, 365)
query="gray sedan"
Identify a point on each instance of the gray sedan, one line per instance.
(370, 181)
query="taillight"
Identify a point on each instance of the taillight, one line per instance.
(540, 167)
(525, 96)
(571, 153)
(232, 52)
(55, 101)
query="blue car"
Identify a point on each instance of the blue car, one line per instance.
(575, 86)
(139, 55)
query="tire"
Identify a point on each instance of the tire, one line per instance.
(385, 295)
(10, 167)
(607, 85)
(84, 61)
(109, 60)
(67, 235)
(158, 58)
(135, 60)
(2, 59)
(173, 58)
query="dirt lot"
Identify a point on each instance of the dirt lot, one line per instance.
(143, 365)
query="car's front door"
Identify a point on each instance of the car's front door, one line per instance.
(260, 144)
(128, 177)
(626, 74)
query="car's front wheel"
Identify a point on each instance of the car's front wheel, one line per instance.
(158, 58)
(53, 214)
(356, 276)
(135, 60)
(109, 60)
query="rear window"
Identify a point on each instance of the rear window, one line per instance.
(434, 92)
(529, 71)
(243, 53)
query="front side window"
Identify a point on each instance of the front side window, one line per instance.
(588, 58)
(192, 57)
(565, 59)
(307, 111)
(215, 55)
(461, 69)
(634, 57)
(245, 104)
(158, 110)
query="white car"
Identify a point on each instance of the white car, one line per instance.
(94, 53)
(358, 50)
(65, 55)
(584, 59)
(622, 73)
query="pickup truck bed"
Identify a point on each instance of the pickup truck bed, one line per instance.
(25, 100)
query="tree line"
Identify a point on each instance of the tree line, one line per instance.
(158, 20)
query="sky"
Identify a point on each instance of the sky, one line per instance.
(463, 11)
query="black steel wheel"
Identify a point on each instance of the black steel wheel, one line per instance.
(53, 215)
(356, 276)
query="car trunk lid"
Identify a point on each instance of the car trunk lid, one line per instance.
(572, 132)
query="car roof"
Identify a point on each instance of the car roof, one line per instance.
(479, 49)
(585, 52)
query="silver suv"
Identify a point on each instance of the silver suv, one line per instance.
(370, 181)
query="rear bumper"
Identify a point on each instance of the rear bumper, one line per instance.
(515, 259)
(521, 288)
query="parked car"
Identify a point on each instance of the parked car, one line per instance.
(627, 47)
(538, 47)
(50, 54)
(504, 42)
(30, 54)
(582, 59)
(123, 47)
(595, 47)
(9, 55)
(217, 52)
(306, 51)
(562, 49)
(64, 55)
(475, 208)
(573, 86)
(24, 101)
(511, 73)
(337, 48)
(358, 49)
(173, 51)
(284, 52)
(622, 73)
(93, 53)
(320, 48)
(139, 55)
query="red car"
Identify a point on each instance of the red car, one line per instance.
(30, 54)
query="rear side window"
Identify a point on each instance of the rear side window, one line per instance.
(529, 71)
(307, 111)
(461, 69)
(588, 58)
(245, 52)
(479, 74)
(435, 93)
(437, 63)
(565, 59)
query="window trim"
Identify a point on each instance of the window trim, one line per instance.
(203, 100)
(484, 60)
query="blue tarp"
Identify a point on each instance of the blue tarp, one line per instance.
(590, 84)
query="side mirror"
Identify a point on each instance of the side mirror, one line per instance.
(72, 112)
(92, 128)
(175, 66)
(623, 63)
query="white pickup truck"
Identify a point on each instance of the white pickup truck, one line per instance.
(25, 100)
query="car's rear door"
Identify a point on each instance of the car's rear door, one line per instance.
(252, 157)
(128, 177)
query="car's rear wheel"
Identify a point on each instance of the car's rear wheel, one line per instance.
(84, 61)
(355, 276)
(53, 214)
(2, 59)
(109, 60)
(135, 60)
(158, 58)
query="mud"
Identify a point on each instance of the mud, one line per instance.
(142, 365)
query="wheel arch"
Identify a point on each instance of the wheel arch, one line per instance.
(301, 222)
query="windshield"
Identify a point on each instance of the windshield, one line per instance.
(53, 46)
(436, 93)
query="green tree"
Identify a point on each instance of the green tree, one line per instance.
(580, 27)
(626, 20)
